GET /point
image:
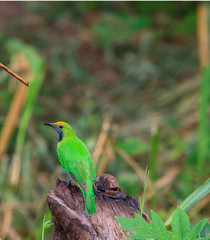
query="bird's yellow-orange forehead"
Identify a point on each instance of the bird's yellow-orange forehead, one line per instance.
(59, 123)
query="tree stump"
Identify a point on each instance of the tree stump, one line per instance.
(71, 221)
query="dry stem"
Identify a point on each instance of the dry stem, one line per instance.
(14, 74)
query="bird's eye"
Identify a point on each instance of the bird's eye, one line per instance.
(60, 126)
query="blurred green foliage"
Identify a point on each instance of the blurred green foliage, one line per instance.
(133, 146)
(204, 136)
(193, 198)
(137, 60)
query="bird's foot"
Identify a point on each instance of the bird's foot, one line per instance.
(96, 191)
(69, 182)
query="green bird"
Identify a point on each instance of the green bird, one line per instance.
(75, 158)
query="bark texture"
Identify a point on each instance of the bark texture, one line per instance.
(71, 221)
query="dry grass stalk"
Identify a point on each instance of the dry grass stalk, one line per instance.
(19, 63)
(12, 117)
(6, 223)
(168, 177)
(108, 151)
(12, 234)
(18, 205)
(202, 31)
(101, 140)
(124, 155)
(107, 155)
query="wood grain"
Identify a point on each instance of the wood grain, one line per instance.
(71, 221)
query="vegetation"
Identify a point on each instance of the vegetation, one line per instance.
(179, 222)
(157, 230)
(126, 76)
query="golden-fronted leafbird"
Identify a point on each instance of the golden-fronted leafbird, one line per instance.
(75, 158)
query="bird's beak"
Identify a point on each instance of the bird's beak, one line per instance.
(56, 128)
(50, 124)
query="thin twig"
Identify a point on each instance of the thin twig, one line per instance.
(14, 74)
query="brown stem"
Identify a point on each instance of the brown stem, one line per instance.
(14, 74)
(203, 34)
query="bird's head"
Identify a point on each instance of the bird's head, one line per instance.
(63, 129)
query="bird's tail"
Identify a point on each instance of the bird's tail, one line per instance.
(89, 198)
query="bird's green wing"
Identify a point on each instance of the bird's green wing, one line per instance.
(91, 168)
(76, 160)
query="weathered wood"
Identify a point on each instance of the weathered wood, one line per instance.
(71, 221)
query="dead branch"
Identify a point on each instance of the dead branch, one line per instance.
(14, 74)
(71, 221)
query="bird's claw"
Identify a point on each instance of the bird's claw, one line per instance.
(68, 182)
(96, 191)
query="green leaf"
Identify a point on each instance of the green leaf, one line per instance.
(193, 233)
(156, 229)
(205, 233)
(47, 219)
(159, 227)
(193, 198)
(46, 222)
(180, 224)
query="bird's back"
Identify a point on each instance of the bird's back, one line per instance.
(76, 159)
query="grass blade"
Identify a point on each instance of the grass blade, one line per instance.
(203, 132)
(153, 153)
(146, 178)
(193, 198)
